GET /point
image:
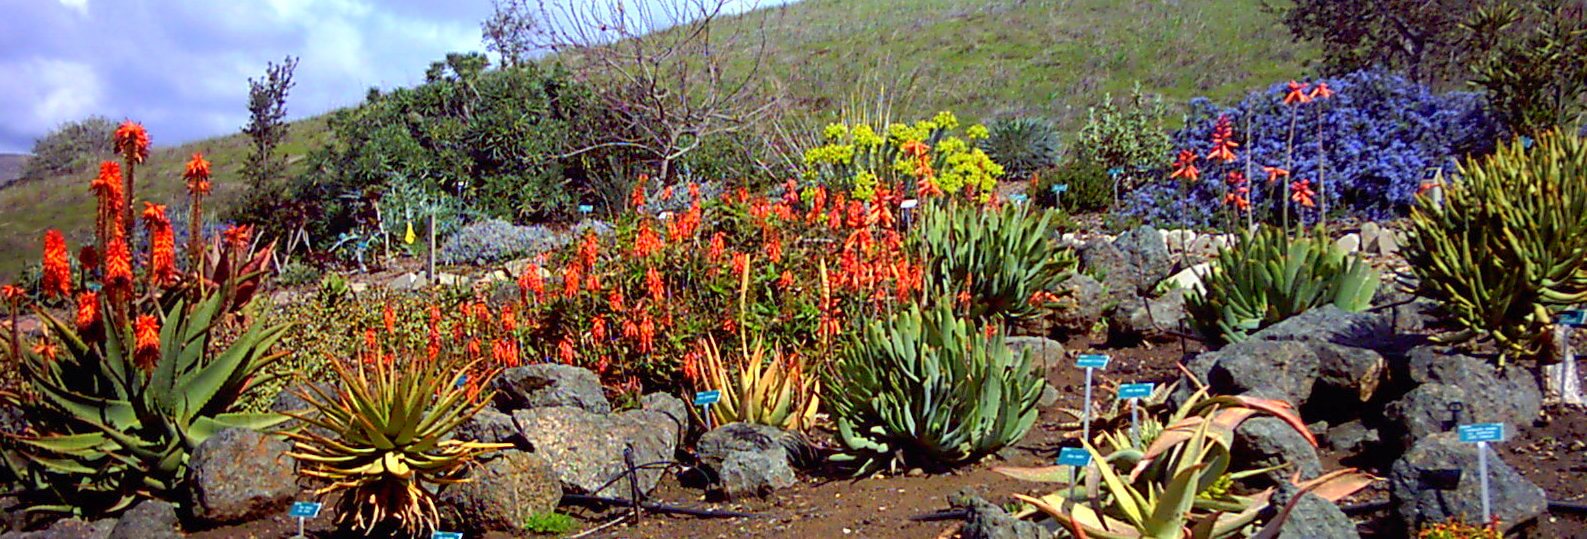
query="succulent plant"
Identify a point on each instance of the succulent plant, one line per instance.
(497, 241)
(1505, 250)
(111, 427)
(764, 386)
(1001, 259)
(1022, 145)
(1268, 277)
(928, 387)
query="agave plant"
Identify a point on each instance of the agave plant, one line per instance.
(1022, 145)
(1178, 485)
(995, 263)
(1269, 277)
(110, 426)
(764, 386)
(1504, 252)
(927, 386)
(383, 440)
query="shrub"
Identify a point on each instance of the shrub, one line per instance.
(1269, 276)
(1129, 138)
(1090, 186)
(72, 147)
(929, 388)
(993, 264)
(296, 274)
(497, 241)
(931, 154)
(1504, 252)
(1529, 63)
(764, 387)
(1022, 145)
(1380, 136)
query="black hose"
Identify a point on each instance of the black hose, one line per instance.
(1567, 507)
(581, 499)
(1364, 507)
(1351, 509)
(951, 514)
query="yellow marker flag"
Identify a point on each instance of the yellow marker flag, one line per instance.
(409, 237)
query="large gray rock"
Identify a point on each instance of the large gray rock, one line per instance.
(1265, 441)
(1149, 318)
(1100, 259)
(150, 519)
(1044, 353)
(1349, 372)
(749, 459)
(586, 449)
(490, 426)
(1083, 300)
(1284, 370)
(1146, 253)
(986, 520)
(240, 474)
(550, 384)
(1437, 480)
(501, 494)
(1352, 437)
(670, 405)
(1312, 517)
(70, 528)
(1452, 383)
(1333, 325)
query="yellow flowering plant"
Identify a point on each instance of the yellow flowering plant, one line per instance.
(935, 156)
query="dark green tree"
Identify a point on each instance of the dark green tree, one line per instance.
(1532, 61)
(267, 127)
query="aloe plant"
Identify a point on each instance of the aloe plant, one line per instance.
(1269, 276)
(1505, 252)
(107, 430)
(384, 439)
(992, 263)
(927, 386)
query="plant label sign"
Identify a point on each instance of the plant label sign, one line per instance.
(461, 379)
(1060, 188)
(1135, 391)
(1575, 319)
(1092, 361)
(909, 204)
(1482, 432)
(586, 209)
(1074, 456)
(707, 398)
(1018, 198)
(446, 535)
(304, 510)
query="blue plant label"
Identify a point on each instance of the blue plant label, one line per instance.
(1092, 361)
(707, 397)
(304, 510)
(586, 208)
(1018, 198)
(1060, 188)
(462, 379)
(446, 535)
(1135, 391)
(1115, 171)
(1074, 456)
(909, 203)
(1482, 432)
(1575, 319)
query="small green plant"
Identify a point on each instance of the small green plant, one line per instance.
(1022, 145)
(1128, 136)
(1089, 186)
(334, 289)
(1268, 277)
(1455, 528)
(297, 273)
(927, 388)
(1504, 252)
(552, 523)
(992, 264)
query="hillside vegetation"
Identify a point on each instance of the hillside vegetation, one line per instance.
(1053, 58)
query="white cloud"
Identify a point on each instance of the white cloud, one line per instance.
(43, 93)
(80, 6)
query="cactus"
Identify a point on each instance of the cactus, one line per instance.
(1505, 251)
(1269, 277)
(927, 385)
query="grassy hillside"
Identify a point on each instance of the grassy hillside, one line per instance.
(11, 167)
(978, 58)
(1048, 57)
(27, 209)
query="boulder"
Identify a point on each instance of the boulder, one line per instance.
(1106, 263)
(1437, 480)
(490, 426)
(1333, 325)
(670, 405)
(71, 528)
(240, 474)
(1454, 384)
(747, 473)
(1146, 256)
(1082, 300)
(1207, 245)
(1265, 441)
(1348, 372)
(586, 449)
(411, 281)
(985, 520)
(1312, 517)
(716, 446)
(550, 384)
(1284, 370)
(149, 519)
(1178, 240)
(1348, 243)
(502, 493)
(1352, 437)
(1149, 318)
(1044, 353)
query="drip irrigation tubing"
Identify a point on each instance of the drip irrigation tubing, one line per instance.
(583, 499)
(1557, 506)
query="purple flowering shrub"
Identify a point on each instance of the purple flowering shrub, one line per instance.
(1380, 134)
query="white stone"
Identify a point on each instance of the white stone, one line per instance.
(1189, 278)
(1349, 243)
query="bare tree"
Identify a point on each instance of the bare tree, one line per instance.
(662, 67)
(510, 31)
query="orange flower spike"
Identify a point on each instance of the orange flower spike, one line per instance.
(474, 349)
(12, 294)
(118, 265)
(565, 350)
(1301, 193)
(1321, 91)
(389, 317)
(598, 329)
(570, 280)
(774, 249)
(162, 244)
(666, 194)
(1274, 173)
(614, 301)
(132, 141)
(531, 281)
(740, 263)
(237, 236)
(1223, 144)
(47, 350)
(1297, 94)
(197, 176)
(57, 278)
(785, 281)
(647, 334)
(718, 246)
(88, 313)
(509, 320)
(1185, 166)
(107, 188)
(146, 336)
(637, 198)
(653, 283)
(694, 191)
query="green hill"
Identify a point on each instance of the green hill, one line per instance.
(978, 58)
